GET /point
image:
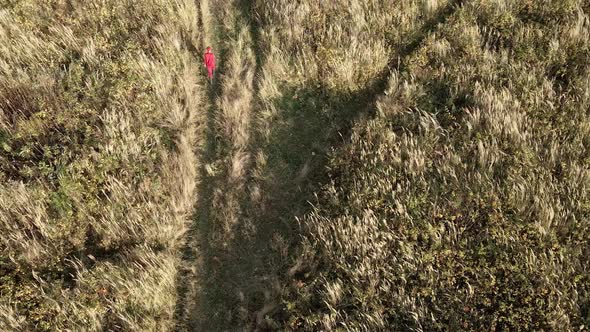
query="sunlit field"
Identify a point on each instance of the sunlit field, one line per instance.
(416, 165)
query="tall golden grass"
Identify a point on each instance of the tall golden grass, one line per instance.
(233, 119)
(99, 125)
(293, 75)
(443, 145)
(463, 205)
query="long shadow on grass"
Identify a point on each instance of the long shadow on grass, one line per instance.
(241, 282)
(197, 250)
(428, 27)
(417, 38)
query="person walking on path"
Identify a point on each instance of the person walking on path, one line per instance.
(209, 63)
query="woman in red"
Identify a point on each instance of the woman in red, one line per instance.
(209, 62)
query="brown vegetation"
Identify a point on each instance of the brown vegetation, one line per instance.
(443, 145)
(98, 131)
(464, 204)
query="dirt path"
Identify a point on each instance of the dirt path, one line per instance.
(231, 272)
(228, 280)
(216, 269)
(194, 252)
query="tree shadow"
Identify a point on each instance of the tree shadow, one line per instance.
(414, 42)
(240, 283)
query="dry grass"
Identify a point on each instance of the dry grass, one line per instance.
(464, 203)
(99, 128)
(274, 113)
(284, 95)
(456, 197)
(233, 120)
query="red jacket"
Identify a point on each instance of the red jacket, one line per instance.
(209, 60)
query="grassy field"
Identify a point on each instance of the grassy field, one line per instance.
(463, 204)
(99, 125)
(374, 165)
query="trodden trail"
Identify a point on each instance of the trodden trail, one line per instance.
(228, 277)
(212, 277)
(195, 249)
